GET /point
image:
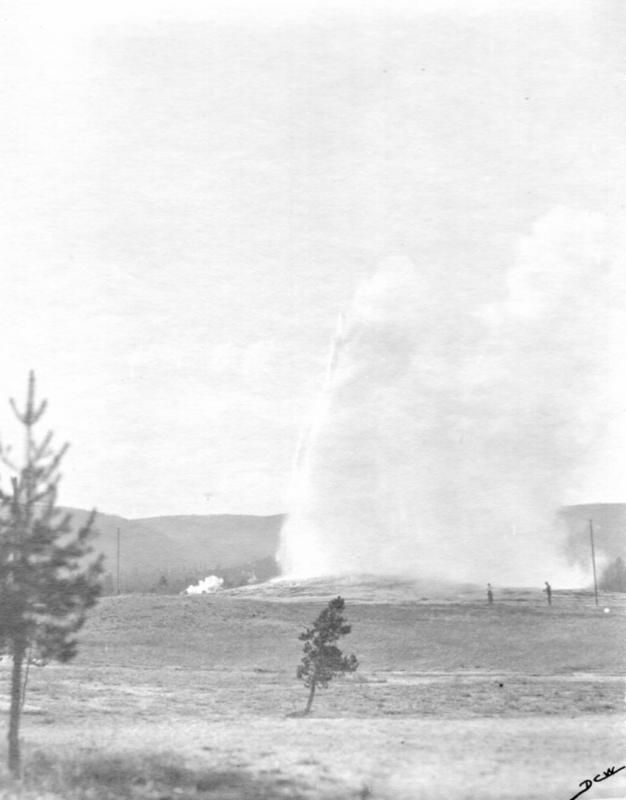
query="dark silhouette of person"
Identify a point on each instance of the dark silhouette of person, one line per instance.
(489, 594)
(548, 591)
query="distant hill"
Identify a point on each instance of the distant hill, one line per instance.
(228, 539)
(157, 545)
(609, 530)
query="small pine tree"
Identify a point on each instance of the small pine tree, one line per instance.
(322, 659)
(46, 581)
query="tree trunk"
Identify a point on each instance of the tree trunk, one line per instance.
(309, 702)
(27, 658)
(19, 649)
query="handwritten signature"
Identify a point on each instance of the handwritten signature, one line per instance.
(587, 784)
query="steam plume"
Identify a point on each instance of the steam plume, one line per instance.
(452, 426)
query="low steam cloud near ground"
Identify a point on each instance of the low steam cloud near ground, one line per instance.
(452, 426)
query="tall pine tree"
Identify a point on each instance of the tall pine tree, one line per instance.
(47, 580)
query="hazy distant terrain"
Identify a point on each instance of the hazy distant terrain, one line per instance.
(158, 544)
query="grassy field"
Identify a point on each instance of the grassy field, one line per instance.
(176, 697)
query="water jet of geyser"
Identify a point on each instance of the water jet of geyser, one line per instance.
(450, 431)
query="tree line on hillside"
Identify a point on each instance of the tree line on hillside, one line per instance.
(613, 578)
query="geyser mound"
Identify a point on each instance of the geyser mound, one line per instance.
(452, 426)
(362, 589)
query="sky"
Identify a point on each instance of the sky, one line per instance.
(194, 193)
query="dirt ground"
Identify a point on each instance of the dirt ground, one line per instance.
(175, 697)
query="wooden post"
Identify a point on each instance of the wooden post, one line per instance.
(118, 561)
(593, 561)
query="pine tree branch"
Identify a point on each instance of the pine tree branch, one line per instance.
(5, 458)
(22, 418)
(40, 451)
(51, 468)
(36, 415)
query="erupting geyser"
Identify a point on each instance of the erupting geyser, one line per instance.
(453, 425)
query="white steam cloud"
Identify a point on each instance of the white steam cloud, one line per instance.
(208, 585)
(453, 426)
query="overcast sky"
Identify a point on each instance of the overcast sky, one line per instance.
(191, 196)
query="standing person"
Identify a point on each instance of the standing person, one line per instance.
(489, 594)
(548, 591)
